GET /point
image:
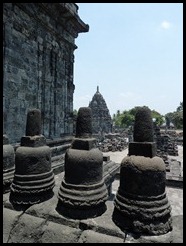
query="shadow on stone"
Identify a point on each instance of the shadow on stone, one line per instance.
(80, 213)
(6, 186)
(20, 201)
(130, 226)
(8, 164)
(111, 197)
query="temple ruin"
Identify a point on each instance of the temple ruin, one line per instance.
(38, 59)
(48, 168)
(78, 209)
(101, 119)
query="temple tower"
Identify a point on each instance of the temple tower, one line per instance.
(101, 119)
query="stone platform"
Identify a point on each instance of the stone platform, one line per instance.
(41, 223)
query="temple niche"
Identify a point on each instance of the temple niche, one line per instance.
(101, 119)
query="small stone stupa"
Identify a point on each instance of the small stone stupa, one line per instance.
(141, 204)
(33, 179)
(83, 193)
(101, 119)
(8, 164)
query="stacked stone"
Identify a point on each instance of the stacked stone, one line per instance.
(166, 146)
(112, 145)
(8, 164)
(83, 193)
(141, 204)
(157, 136)
(33, 179)
(172, 149)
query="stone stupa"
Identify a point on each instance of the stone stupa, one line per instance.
(83, 193)
(141, 203)
(33, 178)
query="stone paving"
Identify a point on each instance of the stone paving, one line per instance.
(119, 155)
(41, 223)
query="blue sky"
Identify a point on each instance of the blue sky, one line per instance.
(133, 52)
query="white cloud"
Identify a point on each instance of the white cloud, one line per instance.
(165, 25)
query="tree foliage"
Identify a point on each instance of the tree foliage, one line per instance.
(176, 117)
(159, 119)
(126, 118)
(180, 107)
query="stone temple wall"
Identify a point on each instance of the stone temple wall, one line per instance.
(38, 58)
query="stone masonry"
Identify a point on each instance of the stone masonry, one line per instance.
(38, 58)
(101, 119)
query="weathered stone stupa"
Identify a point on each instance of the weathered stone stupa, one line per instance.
(8, 164)
(101, 119)
(83, 193)
(141, 204)
(33, 178)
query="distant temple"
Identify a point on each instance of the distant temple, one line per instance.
(102, 121)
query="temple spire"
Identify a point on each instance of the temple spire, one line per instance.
(97, 88)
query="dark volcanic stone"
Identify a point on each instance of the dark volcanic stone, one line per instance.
(83, 192)
(84, 123)
(142, 149)
(83, 167)
(143, 125)
(33, 124)
(33, 178)
(141, 204)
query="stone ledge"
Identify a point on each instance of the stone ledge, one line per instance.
(44, 217)
(16, 229)
(101, 228)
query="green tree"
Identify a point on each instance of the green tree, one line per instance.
(176, 117)
(126, 118)
(180, 107)
(159, 119)
(117, 119)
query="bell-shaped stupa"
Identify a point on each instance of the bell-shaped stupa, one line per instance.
(141, 203)
(83, 192)
(33, 178)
